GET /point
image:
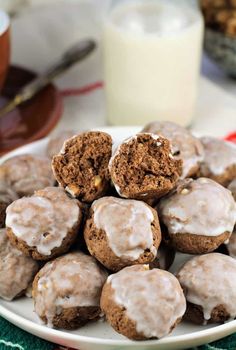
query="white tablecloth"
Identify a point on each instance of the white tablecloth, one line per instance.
(40, 33)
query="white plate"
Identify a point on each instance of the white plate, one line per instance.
(100, 336)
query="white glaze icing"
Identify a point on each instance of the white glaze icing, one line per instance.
(16, 270)
(27, 173)
(63, 148)
(190, 148)
(219, 155)
(69, 190)
(127, 224)
(210, 281)
(200, 207)
(44, 219)
(72, 280)
(118, 190)
(153, 299)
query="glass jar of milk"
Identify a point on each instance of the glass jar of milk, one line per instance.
(152, 51)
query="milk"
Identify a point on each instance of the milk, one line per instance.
(152, 53)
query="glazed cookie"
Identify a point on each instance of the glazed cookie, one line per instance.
(27, 173)
(209, 282)
(143, 167)
(56, 142)
(7, 196)
(198, 215)
(232, 188)
(141, 303)
(17, 271)
(184, 145)
(121, 232)
(67, 290)
(82, 166)
(45, 225)
(219, 162)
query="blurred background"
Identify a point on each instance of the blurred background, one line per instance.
(42, 29)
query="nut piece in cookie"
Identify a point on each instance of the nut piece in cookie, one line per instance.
(27, 173)
(56, 142)
(17, 271)
(141, 303)
(184, 145)
(44, 225)
(209, 282)
(82, 165)
(67, 290)
(122, 232)
(143, 167)
(219, 162)
(198, 216)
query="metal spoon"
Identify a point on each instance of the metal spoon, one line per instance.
(70, 57)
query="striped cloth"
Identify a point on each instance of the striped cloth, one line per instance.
(13, 338)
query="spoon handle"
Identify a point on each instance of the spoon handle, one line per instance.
(69, 58)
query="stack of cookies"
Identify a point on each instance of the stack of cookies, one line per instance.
(97, 233)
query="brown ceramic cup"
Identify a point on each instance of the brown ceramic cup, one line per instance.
(4, 46)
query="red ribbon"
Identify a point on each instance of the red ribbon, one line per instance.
(231, 137)
(82, 90)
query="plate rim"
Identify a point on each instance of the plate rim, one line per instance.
(42, 331)
(26, 324)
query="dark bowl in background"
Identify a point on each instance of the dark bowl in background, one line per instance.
(33, 119)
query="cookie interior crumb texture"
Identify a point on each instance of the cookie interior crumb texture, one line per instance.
(82, 166)
(143, 167)
(184, 145)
